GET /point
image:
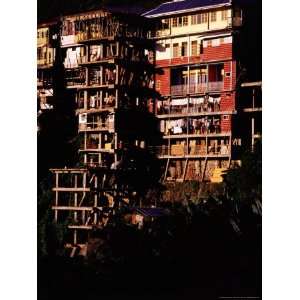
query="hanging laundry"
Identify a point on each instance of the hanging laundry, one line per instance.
(82, 118)
(179, 102)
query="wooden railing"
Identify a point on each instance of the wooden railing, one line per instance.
(183, 150)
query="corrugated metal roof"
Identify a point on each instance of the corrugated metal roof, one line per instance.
(179, 6)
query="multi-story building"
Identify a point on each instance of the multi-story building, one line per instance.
(250, 113)
(105, 61)
(46, 49)
(200, 66)
(108, 71)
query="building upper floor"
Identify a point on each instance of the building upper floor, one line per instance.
(102, 25)
(181, 17)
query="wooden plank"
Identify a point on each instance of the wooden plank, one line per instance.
(194, 156)
(166, 170)
(250, 109)
(204, 169)
(69, 170)
(72, 189)
(74, 208)
(87, 227)
(185, 168)
(250, 84)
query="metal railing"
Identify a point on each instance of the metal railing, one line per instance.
(183, 89)
(199, 108)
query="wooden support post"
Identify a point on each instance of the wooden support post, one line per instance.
(75, 197)
(85, 100)
(188, 80)
(229, 149)
(86, 76)
(117, 74)
(117, 98)
(96, 198)
(166, 170)
(252, 133)
(185, 168)
(101, 99)
(101, 75)
(75, 237)
(204, 169)
(56, 197)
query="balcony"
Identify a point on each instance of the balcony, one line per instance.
(183, 89)
(209, 107)
(96, 126)
(44, 63)
(88, 35)
(94, 104)
(192, 151)
(180, 127)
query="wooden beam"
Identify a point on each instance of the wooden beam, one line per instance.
(71, 189)
(204, 169)
(73, 208)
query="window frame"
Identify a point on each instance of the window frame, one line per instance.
(213, 16)
(174, 22)
(175, 46)
(224, 15)
(184, 49)
(194, 48)
(185, 21)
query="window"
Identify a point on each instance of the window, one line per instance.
(209, 43)
(158, 86)
(42, 34)
(199, 18)
(167, 46)
(213, 16)
(39, 53)
(224, 15)
(174, 22)
(201, 48)
(175, 50)
(184, 47)
(194, 48)
(180, 21)
(225, 117)
(165, 23)
(203, 18)
(194, 19)
(185, 21)
(38, 34)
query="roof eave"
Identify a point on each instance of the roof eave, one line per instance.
(187, 10)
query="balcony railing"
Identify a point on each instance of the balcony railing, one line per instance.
(198, 129)
(95, 145)
(192, 109)
(96, 104)
(215, 86)
(97, 126)
(89, 35)
(192, 150)
(44, 62)
(183, 89)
